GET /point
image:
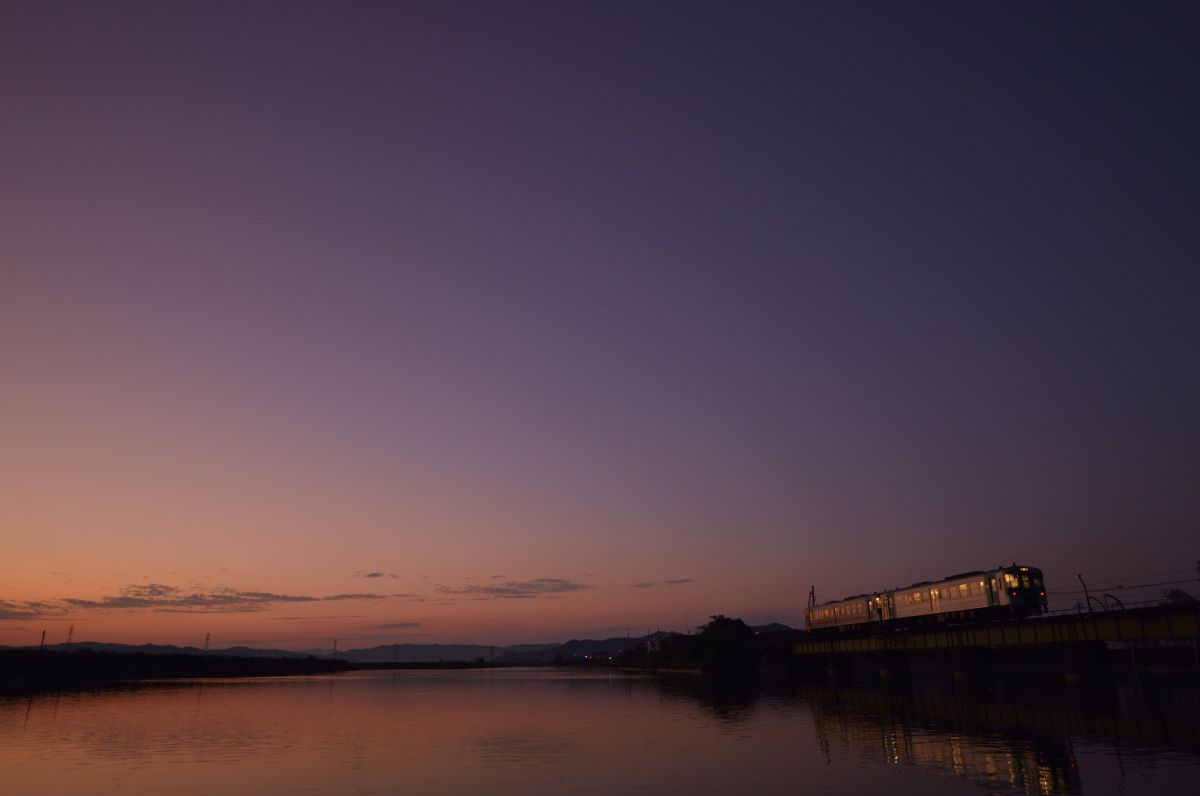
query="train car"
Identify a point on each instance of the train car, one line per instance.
(1013, 591)
(839, 613)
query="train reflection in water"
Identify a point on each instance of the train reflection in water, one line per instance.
(1025, 766)
(1023, 742)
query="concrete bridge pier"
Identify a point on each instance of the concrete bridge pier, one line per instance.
(893, 665)
(837, 666)
(1083, 660)
(971, 663)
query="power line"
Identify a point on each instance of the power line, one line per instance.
(1102, 583)
(1131, 587)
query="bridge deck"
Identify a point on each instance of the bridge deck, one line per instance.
(1144, 624)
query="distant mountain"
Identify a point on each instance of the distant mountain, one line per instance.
(421, 653)
(573, 650)
(171, 649)
(580, 649)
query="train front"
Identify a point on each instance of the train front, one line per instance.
(1026, 590)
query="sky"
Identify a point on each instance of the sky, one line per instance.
(516, 322)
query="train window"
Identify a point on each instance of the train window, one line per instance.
(1010, 580)
(1025, 581)
(1037, 582)
(981, 587)
(917, 596)
(963, 590)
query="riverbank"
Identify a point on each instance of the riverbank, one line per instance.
(26, 670)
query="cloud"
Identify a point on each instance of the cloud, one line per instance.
(374, 574)
(16, 609)
(518, 589)
(316, 618)
(160, 597)
(400, 625)
(653, 584)
(172, 599)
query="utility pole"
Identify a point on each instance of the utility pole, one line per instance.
(335, 648)
(207, 638)
(43, 644)
(1086, 597)
(70, 635)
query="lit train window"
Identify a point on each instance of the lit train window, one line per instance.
(963, 590)
(1010, 580)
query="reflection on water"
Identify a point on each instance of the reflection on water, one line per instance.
(556, 731)
(1023, 740)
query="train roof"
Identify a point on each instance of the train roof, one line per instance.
(843, 600)
(964, 574)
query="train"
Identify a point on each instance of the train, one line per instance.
(1005, 592)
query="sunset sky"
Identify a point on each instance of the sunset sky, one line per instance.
(506, 322)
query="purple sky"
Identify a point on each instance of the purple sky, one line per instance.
(749, 295)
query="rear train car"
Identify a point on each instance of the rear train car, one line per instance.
(840, 613)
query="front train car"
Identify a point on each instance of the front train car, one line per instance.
(1021, 588)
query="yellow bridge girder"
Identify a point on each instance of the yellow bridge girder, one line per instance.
(1148, 624)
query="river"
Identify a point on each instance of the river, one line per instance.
(543, 731)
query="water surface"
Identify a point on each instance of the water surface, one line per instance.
(537, 731)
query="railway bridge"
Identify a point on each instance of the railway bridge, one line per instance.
(1076, 643)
